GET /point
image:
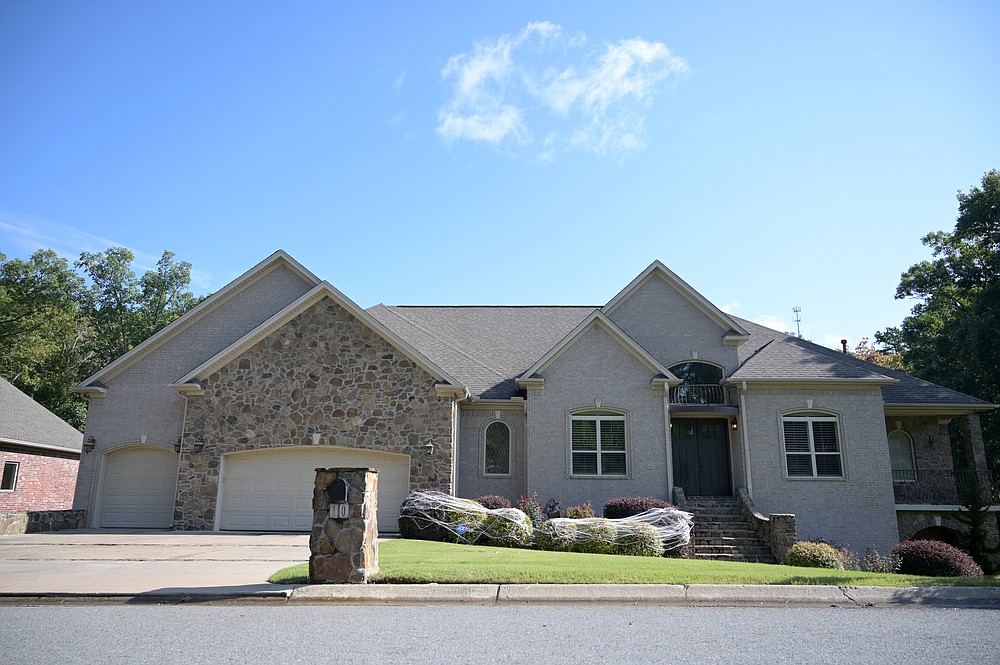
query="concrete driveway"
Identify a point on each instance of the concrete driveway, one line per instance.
(103, 562)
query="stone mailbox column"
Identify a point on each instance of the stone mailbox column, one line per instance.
(344, 549)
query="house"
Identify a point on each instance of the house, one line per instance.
(217, 421)
(40, 453)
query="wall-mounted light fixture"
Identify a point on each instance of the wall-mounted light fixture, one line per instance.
(735, 424)
(89, 444)
(177, 446)
(198, 446)
(429, 448)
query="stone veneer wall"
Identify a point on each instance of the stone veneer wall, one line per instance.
(344, 550)
(40, 521)
(324, 371)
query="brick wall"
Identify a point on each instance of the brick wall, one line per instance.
(45, 481)
(596, 368)
(670, 327)
(472, 482)
(857, 510)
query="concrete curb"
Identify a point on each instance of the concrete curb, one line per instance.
(550, 594)
(650, 594)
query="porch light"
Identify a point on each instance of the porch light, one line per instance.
(429, 448)
(199, 446)
(735, 425)
(177, 446)
(89, 444)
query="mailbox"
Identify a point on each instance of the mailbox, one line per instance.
(338, 491)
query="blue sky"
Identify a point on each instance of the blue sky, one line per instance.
(773, 154)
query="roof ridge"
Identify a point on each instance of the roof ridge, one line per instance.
(462, 352)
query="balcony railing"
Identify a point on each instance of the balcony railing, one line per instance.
(946, 487)
(709, 394)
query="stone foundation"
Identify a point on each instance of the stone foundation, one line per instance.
(41, 521)
(344, 550)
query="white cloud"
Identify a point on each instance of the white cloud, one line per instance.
(520, 84)
(773, 322)
(731, 307)
(397, 85)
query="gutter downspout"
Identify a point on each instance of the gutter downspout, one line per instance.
(746, 438)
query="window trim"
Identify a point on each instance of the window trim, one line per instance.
(17, 472)
(598, 414)
(913, 457)
(814, 415)
(510, 450)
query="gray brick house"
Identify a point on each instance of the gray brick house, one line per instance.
(217, 421)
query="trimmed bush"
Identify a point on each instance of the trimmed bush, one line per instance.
(492, 501)
(599, 536)
(505, 527)
(627, 506)
(580, 512)
(529, 506)
(638, 539)
(935, 559)
(814, 555)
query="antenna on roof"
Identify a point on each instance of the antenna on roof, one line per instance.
(797, 310)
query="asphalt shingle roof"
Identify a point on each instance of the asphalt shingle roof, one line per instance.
(25, 420)
(488, 347)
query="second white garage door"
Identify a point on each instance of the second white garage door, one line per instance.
(271, 490)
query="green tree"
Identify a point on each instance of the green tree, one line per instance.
(948, 338)
(125, 309)
(43, 332)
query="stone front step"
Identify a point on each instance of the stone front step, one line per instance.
(721, 532)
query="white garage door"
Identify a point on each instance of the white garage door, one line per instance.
(272, 490)
(138, 488)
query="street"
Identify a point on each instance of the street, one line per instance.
(491, 634)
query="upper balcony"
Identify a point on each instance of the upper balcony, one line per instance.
(944, 487)
(704, 398)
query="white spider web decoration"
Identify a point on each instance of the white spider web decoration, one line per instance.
(469, 521)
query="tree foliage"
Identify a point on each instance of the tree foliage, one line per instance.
(948, 338)
(58, 326)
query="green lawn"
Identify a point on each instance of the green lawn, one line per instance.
(418, 561)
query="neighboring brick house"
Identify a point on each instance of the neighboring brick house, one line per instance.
(217, 421)
(40, 454)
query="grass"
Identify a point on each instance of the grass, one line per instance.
(417, 561)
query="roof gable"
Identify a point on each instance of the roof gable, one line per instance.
(187, 385)
(597, 318)
(211, 303)
(733, 332)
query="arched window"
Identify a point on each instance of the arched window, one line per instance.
(697, 372)
(812, 445)
(496, 449)
(598, 443)
(701, 383)
(904, 468)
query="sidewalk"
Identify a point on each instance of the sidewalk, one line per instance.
(142, 566)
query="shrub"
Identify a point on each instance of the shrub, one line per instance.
(529, 506)
(638, 539)
(627, 506)
(557, 535)
(934, 558)
(419, 524)
(874, 562)
(505, 527)
(600, 536)
(814, 555)
(580, 512)
(492, 501)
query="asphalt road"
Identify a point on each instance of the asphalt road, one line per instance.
(463, 634)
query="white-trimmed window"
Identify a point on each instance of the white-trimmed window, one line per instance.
(904, 467)
(812, 445)
(9, 482)
(496, 449)
(598, 444)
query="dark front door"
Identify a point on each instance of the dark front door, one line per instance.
(701, 456)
